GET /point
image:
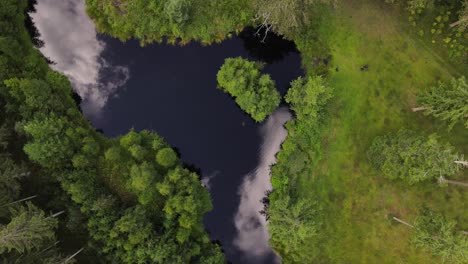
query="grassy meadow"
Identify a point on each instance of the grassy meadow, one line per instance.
(358, 201)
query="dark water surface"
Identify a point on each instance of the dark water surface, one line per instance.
(172, 91)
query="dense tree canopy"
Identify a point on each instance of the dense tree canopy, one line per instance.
(136, 201)
(255, 93)
(183, 20)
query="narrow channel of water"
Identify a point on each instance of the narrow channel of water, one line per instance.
(252, 236)
(172, 91)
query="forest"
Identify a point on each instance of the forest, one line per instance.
(373, 168)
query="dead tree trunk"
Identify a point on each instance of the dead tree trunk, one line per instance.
(72, 256)
(420, 108)
(464, 184)
(402, 222)
(454, 24)
(462, 162)
(20, 200)
(57, 214)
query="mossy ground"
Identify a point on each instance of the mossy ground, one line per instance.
(358, 201)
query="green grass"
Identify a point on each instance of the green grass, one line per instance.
(357, 199)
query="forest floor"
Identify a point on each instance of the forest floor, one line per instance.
(358, 201)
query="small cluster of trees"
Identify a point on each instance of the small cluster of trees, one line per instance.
(254, 92)
(415, 158)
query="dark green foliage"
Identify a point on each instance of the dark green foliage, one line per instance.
(28, 229)
(23, 70)
(255, 93)
(10, 188)
(177, 20)
(438, 236)
(448, 102)
(413, 158)
(114, 182)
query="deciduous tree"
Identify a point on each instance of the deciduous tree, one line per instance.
(308, 96)
(255, 93)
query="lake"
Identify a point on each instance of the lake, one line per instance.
(172, 91)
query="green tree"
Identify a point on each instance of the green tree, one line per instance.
(446, 101)
(28, 229)
(138, 152)
(437, 235)
(186, 202)
(301, 216)
(51, 144)
(413, 158)
(37, 97)
(308, 97)
(166, 157)
(255, 93)
(178, 11)
(130, 234)
(113, 154)
(130, 139)
(213, 255)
